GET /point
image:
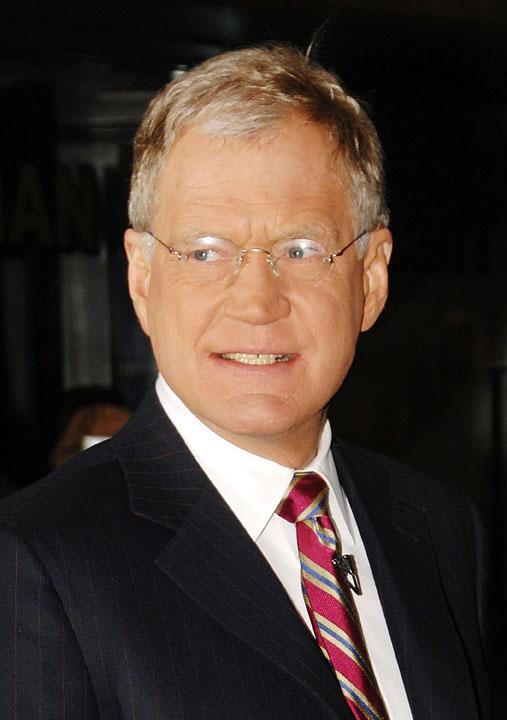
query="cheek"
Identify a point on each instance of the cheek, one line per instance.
(340, 337)
(336, 310)
(163, 314)
(350, 303)
(178, 317)
(336, 326)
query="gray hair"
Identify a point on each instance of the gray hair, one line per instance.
(244, 92)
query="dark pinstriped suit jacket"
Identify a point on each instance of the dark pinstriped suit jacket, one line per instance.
(128, 589)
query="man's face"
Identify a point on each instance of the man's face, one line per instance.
(255, 192)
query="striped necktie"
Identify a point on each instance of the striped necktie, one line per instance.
(327, 595)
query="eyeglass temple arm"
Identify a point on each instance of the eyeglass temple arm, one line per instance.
(178, 254)
(339, 253)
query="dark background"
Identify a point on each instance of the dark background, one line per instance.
(430, 382)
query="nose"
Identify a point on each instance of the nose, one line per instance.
(255, 294)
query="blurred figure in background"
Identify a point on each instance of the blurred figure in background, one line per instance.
(88, 416)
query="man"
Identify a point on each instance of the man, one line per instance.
(158, 574)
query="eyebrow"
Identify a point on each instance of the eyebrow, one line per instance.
(323, 234)
(312, 231)
(189, 234)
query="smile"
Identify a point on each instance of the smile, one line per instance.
(256, 358)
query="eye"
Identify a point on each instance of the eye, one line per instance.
(203, 255)
(207, 250)
(300, 249)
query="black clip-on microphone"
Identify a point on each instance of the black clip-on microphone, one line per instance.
(347, 565)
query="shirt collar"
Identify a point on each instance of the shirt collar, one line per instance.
(251, 485)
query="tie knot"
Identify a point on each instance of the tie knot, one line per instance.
(305, 498)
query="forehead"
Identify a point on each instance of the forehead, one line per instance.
(291, 171)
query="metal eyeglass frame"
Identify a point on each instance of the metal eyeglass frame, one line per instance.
(269, 259)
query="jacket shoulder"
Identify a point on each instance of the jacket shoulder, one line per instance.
(89, 483)
(407, 484)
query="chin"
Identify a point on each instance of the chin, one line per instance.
(256, 416)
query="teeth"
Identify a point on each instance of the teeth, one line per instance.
(256, 358)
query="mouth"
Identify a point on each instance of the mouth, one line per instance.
(257, 358)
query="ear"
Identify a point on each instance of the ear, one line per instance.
(375, 275)
(139, 276)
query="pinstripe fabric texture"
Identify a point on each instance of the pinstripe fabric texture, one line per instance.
(130, 591)
(328, 599)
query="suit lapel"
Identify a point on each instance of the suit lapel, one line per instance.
(408, 578)
(211, 557)
(215, 562)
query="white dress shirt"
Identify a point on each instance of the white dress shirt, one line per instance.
(252, 487)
